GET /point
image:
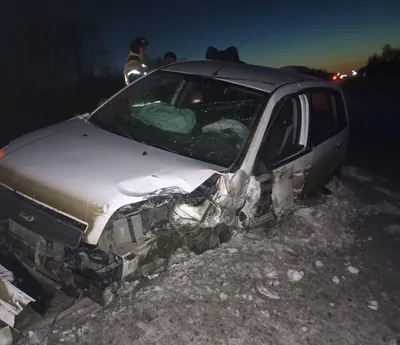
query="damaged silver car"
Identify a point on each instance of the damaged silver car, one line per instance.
(178, 158)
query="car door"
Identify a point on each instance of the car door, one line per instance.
(283, 157)
(328, 134)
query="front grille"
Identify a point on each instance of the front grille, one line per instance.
(48, 223)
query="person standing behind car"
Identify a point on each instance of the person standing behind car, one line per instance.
(135, 65)
(169, 58)
(212, 53)
(233, 54)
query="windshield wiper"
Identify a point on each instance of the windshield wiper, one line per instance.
(123, 131)
(161, 147)
(111, 127)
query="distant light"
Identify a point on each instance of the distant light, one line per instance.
(338, 73)
(334, 77)
(343, 76)
(354, 72)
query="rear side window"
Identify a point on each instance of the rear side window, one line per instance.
(327, 115)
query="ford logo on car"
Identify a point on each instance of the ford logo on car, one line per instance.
(25, 216)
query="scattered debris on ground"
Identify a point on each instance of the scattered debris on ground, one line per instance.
(352, 269)
(293, 284)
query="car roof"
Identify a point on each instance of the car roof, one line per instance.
(253, 76)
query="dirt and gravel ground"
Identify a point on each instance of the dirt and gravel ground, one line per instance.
(329, 275)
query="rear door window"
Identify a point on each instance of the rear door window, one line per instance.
(327, 115)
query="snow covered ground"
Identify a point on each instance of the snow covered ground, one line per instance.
(328, 275)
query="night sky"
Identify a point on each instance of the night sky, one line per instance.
(337, 35)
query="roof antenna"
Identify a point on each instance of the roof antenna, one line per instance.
(245, 43)
(216, 72)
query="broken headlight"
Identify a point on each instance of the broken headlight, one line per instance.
(198, 209)
(186, 214)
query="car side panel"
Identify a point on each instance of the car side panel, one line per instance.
(327, 157)
(289, 181)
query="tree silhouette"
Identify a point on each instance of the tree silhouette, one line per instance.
(42, 52)
(315, 72)
(385, 64)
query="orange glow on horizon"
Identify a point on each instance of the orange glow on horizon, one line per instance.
(347, 66)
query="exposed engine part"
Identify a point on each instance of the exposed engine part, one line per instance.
(130, 224)
(205, 215)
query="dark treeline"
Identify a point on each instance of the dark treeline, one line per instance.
(44, 55)
(44, 52)
(383, 65)
(380, 65)
(315, 72)
(53, 67)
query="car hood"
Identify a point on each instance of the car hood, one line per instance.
(88, 173)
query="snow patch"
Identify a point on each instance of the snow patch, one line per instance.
(373, 305)
(356, 173)
(223, 296)
(263, 290)
(294, 275)
(353, 269)
(393, 229)
(232, 250)
(387, 192)
(385, 207)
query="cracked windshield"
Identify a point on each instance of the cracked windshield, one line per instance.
(202, 118)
